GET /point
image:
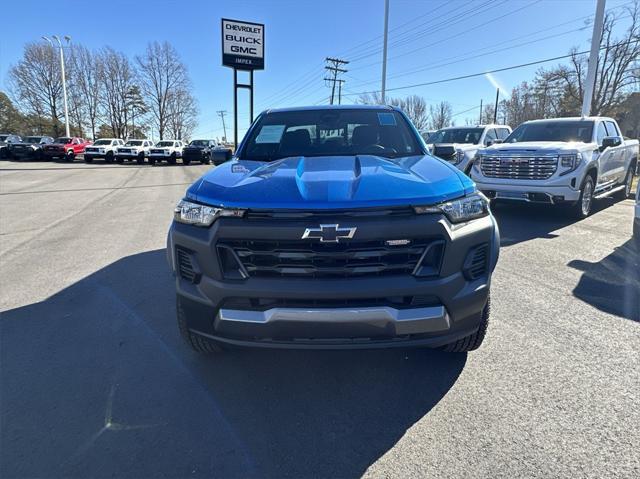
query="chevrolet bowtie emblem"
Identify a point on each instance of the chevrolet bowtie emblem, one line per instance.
(329, 233)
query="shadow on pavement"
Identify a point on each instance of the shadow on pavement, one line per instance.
(96, 382)
(613, 284)
(521, 222)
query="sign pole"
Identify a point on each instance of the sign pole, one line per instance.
(251, 96)
(235, 109)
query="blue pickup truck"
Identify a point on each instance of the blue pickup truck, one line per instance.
(332, 227)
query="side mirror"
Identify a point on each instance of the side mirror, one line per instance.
(228, 154)
(610, 142)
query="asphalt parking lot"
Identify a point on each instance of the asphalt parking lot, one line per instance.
(95, 380)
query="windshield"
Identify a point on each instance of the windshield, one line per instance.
(552, 131)
(164, 143)
(3, 137)
(102, 142)
(457, 135)
(330, 133)
(32, 139)
(199, 143)
(133, 143)
(64, 140)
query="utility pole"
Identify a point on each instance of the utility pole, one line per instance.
(221, 114)
(480, 122)
(334, 67)
(384, 50)
(64, 79)
(495, 110)
(340, 82)
(593, 58)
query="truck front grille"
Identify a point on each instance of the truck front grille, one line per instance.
(318, 260)
(519, 167)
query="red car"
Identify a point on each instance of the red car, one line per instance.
(65, 147)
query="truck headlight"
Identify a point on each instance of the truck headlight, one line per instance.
(464, 209)
(201, 215)
(571, 162)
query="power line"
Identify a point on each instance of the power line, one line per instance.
(497, 70)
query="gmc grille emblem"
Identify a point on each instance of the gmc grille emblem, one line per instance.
(329, 233)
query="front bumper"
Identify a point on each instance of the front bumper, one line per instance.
(53, 153)
(452, 304)
(555, 190)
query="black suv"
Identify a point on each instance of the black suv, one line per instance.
(30, 148)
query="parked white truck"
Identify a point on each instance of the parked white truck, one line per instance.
(167, 150)
(103, 148)
(568, 161)
(459, 144)
(134, 149)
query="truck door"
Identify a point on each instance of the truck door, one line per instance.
(619, 171)
(607, 161)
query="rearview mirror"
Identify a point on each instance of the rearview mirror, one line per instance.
(610, 142)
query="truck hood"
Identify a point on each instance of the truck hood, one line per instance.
(539, 146)
(331, 182)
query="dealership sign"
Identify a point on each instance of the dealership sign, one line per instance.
(242, 45)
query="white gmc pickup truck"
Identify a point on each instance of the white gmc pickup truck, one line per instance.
(559, 161)
(459, 144)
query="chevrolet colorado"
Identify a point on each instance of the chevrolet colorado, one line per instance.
(332, 227)
(65, 147)
(134, 150)
(169, 150)
(198, 150)
(30, 148)
(103, 148)
(459, 145)
(567, 161)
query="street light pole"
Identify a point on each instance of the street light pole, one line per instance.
(64, 78)
(384, 50)
(593, 58)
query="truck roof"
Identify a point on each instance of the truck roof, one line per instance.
(331, 107)
(490, 125)
(573, 118)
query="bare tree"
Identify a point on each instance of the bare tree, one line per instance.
(183, 113)
(162, 75)
(616, 69)
(37, 84)
(87, 81)
(117, 81)
(441, 115)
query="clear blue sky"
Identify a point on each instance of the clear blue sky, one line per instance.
(424, 35)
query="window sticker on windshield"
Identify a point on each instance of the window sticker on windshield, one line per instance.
(270, 134)
(386, 119)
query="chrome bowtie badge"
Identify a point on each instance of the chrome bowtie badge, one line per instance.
(329, 233)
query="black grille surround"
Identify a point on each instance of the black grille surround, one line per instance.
(311, 259)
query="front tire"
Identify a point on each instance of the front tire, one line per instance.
(172, 159)
(473, 341)
(70, 156)
(582, 207)
(152, 161)
(88, 159)
(140, 159)
(109, 157)
(198, 343)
